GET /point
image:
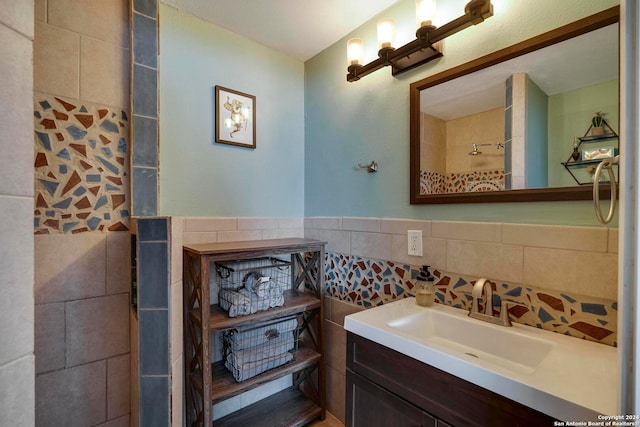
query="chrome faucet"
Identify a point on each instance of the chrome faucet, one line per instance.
(482, 286)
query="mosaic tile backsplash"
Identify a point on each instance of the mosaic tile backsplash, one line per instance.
(81, 167)
(373, 282)
(462, 182)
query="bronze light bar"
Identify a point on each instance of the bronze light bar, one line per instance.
(422, 49)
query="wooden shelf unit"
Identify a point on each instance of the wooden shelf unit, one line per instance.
(207, 383)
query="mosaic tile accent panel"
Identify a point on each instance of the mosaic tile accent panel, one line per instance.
(373, 282)
(81, 167)
(462, 182)
(367, 282)
(432, 183)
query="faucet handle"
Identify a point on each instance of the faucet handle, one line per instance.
(504, 313)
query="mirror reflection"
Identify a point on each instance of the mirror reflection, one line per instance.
(512, 125)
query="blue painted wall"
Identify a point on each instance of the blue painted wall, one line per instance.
(350, 123)
(201, 178)
(570, 115)
(536, 175)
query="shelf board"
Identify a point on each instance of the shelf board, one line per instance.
(224, 386)
(579, 163)
(248, 249)
(288, 407)
(598, 137)
(294, 302)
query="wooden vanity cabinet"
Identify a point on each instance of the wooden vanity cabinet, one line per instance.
(208, 382)
(385, 387)
(372, 405)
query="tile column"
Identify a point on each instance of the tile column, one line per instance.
(144, 100)
(153, 322)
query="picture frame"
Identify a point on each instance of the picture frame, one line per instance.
(598, 153)
(235, 117)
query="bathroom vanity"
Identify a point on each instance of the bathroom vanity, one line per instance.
(385, 387)
(435, 366)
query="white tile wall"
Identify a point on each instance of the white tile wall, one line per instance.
(462, 230)
(19, 16)
(257, 223)
(56, 61)
(108, 64)
(18, 393)
(100, 20)
(69, 274)
(210, 224)
(16, 108)
(400, 226)
(49, 337)
(16, 278)
(176, 344)
(177, 392)
(371, 245)
(17, 361)
(581, 260)
(590, 239)
(361, 224)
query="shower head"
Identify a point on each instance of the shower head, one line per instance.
(475, 151)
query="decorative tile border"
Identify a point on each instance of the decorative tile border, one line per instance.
(81, 167)
(373, 282)
(461, 182)
(432, 182)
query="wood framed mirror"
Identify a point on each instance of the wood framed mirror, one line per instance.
(532, 62)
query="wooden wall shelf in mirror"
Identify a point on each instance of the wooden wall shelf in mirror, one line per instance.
(534, 79)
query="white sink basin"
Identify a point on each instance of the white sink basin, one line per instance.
(499, 345)
(565, 377)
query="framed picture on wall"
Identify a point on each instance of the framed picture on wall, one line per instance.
(235, 117)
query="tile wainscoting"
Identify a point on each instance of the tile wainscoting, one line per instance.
(367, 265)
(534, 266)
(374, 282)
(82, 372)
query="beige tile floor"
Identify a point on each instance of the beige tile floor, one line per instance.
(330, 421)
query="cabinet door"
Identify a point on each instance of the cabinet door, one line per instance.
(369, 405)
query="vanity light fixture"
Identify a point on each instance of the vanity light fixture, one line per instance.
(419, 51)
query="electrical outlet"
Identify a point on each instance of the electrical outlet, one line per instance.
(414, 238)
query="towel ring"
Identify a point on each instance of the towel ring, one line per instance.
(608, 165)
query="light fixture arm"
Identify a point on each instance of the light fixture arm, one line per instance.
(422, 49)
(475, 12)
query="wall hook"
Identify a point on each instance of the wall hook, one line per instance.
(371, 167)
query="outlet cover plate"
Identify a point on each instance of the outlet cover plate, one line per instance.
(414, 242)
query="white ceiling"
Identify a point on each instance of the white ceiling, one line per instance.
(575, 63)
(299, 28)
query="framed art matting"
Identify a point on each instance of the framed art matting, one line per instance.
(235, 118)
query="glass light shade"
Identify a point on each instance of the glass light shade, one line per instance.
(425, 12)
(354, 51)
(386, 33)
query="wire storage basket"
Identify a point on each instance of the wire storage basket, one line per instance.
(253, 349)
(248, 286)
